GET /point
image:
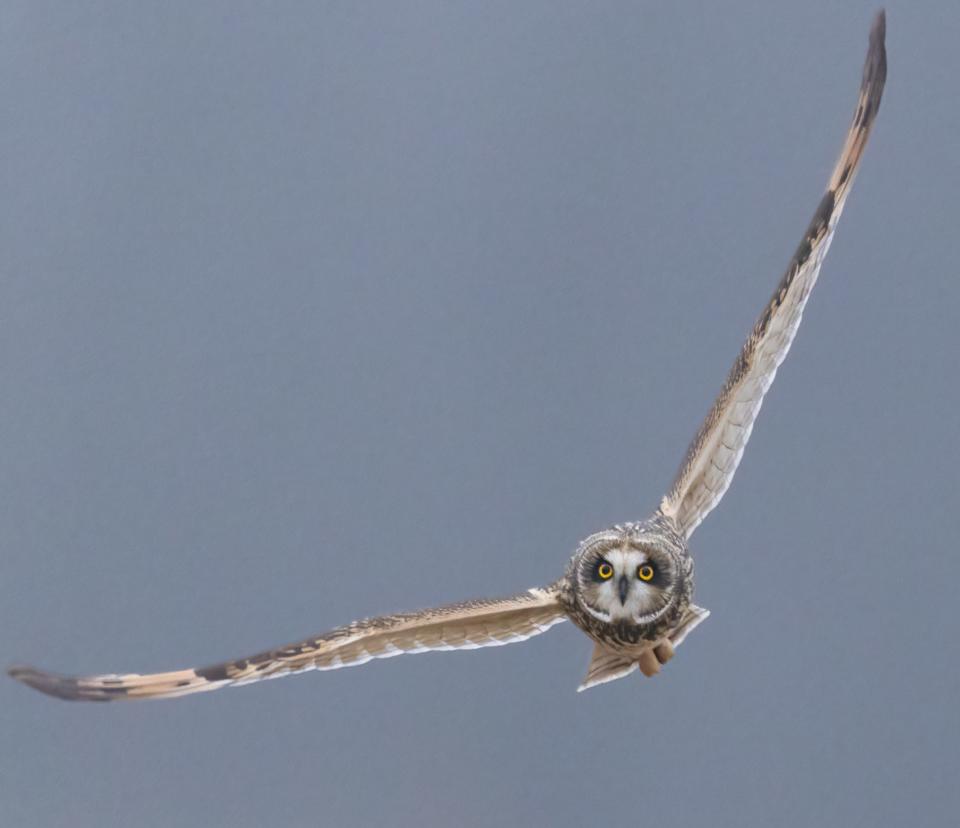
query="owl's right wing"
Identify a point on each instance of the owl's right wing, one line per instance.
(464, 626)
(715, 452)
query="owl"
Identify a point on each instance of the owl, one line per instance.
(629, 588)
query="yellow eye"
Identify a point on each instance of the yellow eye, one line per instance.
(605, 571)
(645, 572)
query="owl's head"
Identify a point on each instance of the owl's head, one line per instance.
(630, 574)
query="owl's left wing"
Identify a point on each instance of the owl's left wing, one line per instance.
(715, 452)
(464, 626)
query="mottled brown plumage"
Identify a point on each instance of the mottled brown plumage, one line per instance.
(715, 452)
(628, 588)
(463, 626)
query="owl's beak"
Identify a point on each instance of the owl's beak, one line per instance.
(624, 586)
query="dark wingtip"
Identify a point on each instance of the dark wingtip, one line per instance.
(878, 31)
(24, 674)
(875, 70)
(874, 73)
(60, 687)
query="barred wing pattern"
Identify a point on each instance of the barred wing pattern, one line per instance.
(464, 626)
(715, 452)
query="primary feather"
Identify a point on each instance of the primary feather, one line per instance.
(715, 452)
(464, 626)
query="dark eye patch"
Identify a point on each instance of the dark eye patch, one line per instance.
(595, 572)
(659, 578)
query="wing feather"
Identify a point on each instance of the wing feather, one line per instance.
(464, 626)
(715, 452)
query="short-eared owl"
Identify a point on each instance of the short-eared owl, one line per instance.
(628, 588)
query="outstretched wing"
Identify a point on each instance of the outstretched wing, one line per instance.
(464, 626)
(715, 452)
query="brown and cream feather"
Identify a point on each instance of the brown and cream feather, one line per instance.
(629, 588)
(464, 626)
(715, 452)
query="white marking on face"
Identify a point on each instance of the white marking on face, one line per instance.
(641, 598)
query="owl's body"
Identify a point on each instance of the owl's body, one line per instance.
(634, 620)
(629, 588)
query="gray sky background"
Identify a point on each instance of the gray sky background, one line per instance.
(312, 311)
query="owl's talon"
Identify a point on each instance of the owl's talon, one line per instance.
(663, 652)
(649, 665)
